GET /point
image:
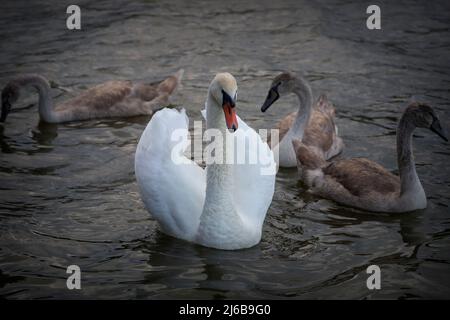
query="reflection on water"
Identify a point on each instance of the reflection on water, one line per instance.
(68, 192)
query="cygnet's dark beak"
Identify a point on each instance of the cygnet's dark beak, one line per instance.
(6, 108)
(436, 128)
(272, 96)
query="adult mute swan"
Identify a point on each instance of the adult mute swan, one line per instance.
(222, 206)
(364, 184)
(107, 100)
(314, 125)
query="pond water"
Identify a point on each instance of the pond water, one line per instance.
(69, 195)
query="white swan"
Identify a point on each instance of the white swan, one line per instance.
(222, 206)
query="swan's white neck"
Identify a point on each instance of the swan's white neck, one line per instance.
(46, 111)
(410, 182)
(305, 98)
(219, 210)
(219, 175)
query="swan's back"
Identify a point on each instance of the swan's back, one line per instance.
(99, 97)
(362, 176)
(320, 131)
(120, 98)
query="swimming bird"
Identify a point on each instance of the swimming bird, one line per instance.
(107, 100)
(222, 206)
(314, 125)
(364, 184)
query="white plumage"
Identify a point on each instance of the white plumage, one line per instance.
(223, 209)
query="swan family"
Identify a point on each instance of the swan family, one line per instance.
(224, 205)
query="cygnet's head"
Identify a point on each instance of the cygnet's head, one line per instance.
(422, 115)
(10, 94)
(282, 84)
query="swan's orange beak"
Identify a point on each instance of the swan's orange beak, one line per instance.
(229, 108)
(230, 117)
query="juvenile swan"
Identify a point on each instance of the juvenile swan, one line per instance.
(222, 206)
(313, 125)
(364, 184)
(107, 100)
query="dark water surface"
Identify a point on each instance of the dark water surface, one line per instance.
(69, 195)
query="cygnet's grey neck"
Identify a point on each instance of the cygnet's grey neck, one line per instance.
(304, 93)
(407, 168)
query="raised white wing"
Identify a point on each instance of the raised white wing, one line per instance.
(173, 192)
